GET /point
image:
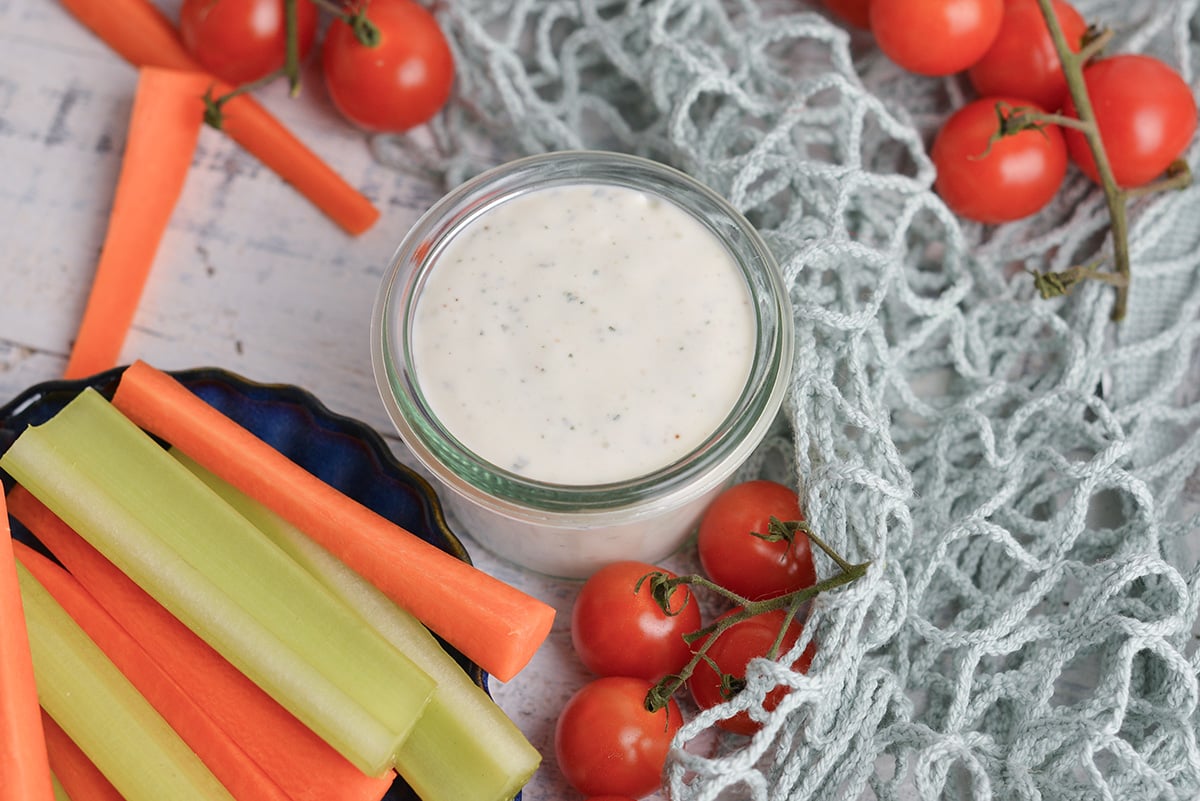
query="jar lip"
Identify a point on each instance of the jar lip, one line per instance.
(467, 473)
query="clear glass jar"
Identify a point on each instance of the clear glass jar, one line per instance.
(571, 529)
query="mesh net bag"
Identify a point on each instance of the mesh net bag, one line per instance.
(1024, 474)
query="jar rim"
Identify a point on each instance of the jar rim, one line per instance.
(465, 472)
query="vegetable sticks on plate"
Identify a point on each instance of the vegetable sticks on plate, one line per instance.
(101, 711)
(494, 624)
(181, 708)
(461, 726)
(157, 522)
(299, 761)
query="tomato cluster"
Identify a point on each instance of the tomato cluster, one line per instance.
(386, 63)
(1145, 112)
(751, 543)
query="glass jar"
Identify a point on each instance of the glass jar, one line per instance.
(564, 523)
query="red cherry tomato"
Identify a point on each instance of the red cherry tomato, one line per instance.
(749, 565)
(1023, 61)
(852, 12)
(1015, 178)
(607, 743)
(619, 632)
(1146, 114)
(243, 40)
(732, 651)
(399, 82)
(935, 37)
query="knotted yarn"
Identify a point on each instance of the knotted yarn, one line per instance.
(1024, 474)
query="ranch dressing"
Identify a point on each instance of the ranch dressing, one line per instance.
(583, 334)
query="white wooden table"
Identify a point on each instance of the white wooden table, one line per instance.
(249, 277)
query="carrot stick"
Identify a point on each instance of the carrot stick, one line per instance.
(179, 707)
(296, 759)
(167, 114)
(254, 128)
(23, 760)
(492, 623)
(139, 32)
(77, 774)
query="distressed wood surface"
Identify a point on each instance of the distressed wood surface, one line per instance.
(249, 277)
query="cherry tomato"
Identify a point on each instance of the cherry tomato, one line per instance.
(399, 82)
(607, 743)
(243, 40)
(852, 12)
(618, 632)
(935, 37)
(1146, 114)
(1023, 61)
(734, 557)
(1011, 178)
(732, 651)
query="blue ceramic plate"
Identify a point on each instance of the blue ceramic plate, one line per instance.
(345, 453)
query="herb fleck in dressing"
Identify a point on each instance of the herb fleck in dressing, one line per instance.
(583, 334)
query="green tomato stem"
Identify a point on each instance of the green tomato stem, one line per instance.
(1093, 44)
(660, 694)
(1179, 175)
(214, 115)
(1072, 67)
(354, 15)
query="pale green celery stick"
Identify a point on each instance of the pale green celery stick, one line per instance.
(211, 567)
(464, 748)
(59, 793)
(106, 716)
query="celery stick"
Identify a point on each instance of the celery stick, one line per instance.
(207, 564)
(103, 712)
(464, 748)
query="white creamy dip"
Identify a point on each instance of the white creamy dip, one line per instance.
(583, 334)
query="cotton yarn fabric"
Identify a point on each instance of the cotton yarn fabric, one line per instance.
(1023, 473)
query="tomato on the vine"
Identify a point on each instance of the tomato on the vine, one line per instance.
(935, 37)
(393, 84)
(1001, 180)
(608, 743)
(1023, 61)
(734, 555)
(732, 651)
(1146, 115)
(243, 40)
(619, 632)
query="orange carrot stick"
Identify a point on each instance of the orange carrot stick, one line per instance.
(24, 766)
(494, 624)
(140, 33)
(254, 128)
(296, 759)
(179, 707)
(165, 123)
(78, 775)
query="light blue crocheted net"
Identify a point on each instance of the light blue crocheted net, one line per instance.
(1024, 474)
